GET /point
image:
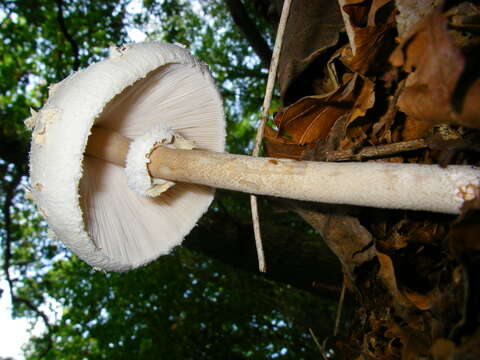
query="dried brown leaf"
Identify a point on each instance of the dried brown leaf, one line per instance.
(421, 301)
(310, 119)
(414, 347)
(313, 27)
(345, 236)
(280, 147)
(330, 82)
(369, 37)
(411, 12)
(442, 349)
(415, 129)
(402, 298)
(363, 101)
(387, 274)
(436, 65)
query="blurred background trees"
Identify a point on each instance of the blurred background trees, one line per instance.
(203, 301)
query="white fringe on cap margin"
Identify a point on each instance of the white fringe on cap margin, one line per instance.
(138, 158)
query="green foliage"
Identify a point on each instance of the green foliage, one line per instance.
(185, 305)
(41, 42)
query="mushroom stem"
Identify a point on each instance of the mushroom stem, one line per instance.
(108, 145)
(384, 185)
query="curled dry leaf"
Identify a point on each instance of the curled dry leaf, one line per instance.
(367, 29)
(415, 129)
(310, 119)
(436, 66)
(401, 298)
(463, 242)
(442, 349)
(364, 100)
(409, 231)
(313, 27)
(282, 147)
(422, 302)
(387, 274)
(413, 347)
(330, 81)
(345, 236)
(381, 130)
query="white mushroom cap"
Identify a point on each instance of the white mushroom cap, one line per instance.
(87, 201)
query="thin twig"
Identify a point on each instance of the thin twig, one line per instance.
(272, 74)
(9, 192)
(246, 25)
(376, 151)
(339, 310)
(320, 347)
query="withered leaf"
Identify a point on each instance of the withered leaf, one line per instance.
(330, 81)
(363, 101)
(415, 129)
(281, 147)
(344, 235)
(404, 298)
(387, 275)
(421, 301)
(414, 347)
(313, 26)
(311, 118)
(442, 349)
(435, 65)
(411, 12)
(368, 37)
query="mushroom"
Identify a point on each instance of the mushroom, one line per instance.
(155, 108)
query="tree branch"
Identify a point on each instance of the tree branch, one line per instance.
(31, 306)
(376, 151)
(7, 215)
(249, 29)
(68, 36)
(9, 194)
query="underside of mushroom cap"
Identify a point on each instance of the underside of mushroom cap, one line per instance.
(86, 201)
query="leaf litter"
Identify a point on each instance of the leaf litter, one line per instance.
(390, 73)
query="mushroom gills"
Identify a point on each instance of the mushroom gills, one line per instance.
(121, 223)
(87, 201)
